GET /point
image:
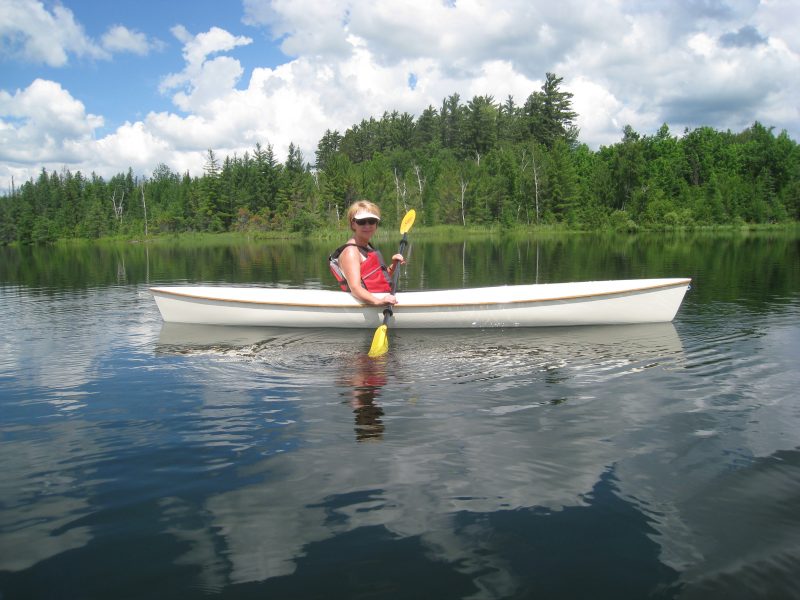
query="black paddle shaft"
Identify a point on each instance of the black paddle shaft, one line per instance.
(396, 274)
(387, 312)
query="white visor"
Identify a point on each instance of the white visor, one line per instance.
(364, 214)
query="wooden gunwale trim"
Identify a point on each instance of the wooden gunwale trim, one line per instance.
(679, 283)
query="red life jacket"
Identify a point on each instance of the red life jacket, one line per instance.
(374, 274)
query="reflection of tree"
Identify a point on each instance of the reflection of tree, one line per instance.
(366, 380)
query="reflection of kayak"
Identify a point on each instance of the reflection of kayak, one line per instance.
(598, 342)
(188, 336)
(551, 304)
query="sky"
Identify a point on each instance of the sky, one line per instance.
(103, 86)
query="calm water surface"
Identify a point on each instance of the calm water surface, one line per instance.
(143, 460)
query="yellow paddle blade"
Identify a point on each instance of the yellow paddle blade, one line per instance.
(380, 342)
(408, 221)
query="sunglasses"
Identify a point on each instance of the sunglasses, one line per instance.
(365, 221)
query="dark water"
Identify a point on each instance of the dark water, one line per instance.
(142, 461)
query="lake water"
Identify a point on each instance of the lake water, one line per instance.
(146, 461)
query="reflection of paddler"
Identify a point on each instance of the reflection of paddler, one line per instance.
(366, 381)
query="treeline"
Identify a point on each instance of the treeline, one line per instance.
(481, 162)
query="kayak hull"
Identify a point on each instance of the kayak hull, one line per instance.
(556, 304)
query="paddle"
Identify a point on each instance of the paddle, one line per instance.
(380, 341)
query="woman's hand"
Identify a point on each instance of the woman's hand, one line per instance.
(397, 259)
(387, 299)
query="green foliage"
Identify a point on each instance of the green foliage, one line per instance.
(480, 163)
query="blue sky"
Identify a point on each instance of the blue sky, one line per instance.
(126, 88)
(103, 86)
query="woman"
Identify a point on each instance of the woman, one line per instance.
(358, 266)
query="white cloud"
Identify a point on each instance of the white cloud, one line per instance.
(34, 34)
(598, 110)
(686, 64)
(307, 27)
(779, 19)
(45, 122)
(121, 39)
(197, 48)
(30, 31)
(668, 67)
(203, 81)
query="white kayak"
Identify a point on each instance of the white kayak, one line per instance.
(551, 304)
